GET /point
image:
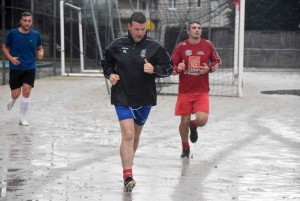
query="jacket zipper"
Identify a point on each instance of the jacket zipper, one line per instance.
(134, 46)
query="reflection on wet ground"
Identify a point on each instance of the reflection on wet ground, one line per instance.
(70, 151)
(295, 92)
(11, 181)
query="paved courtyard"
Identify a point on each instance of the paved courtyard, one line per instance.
(249, 150)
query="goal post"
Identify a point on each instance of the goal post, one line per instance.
(83, 71)
(241, 46)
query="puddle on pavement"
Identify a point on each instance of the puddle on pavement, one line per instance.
(10, 181)
(295, 92)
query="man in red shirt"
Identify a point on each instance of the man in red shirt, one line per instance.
(193, 59)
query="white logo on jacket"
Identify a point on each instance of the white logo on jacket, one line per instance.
(124, 49)
(143, 53)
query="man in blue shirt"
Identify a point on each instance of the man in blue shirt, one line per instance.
(20, 48)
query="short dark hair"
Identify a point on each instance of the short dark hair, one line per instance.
(137, 17)
(193, 22)
(24, 14)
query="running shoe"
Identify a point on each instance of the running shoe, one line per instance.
(185, 153)
(193, 134)
(23, 122)
(129, 184)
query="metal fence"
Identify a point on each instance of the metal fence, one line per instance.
(221, 82)
(263, 49)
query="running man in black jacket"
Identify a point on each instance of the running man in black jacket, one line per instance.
(131, 63)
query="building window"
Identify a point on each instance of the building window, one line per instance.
(144, 5)
(199, 3)
(190, 3)
(214, 5)
(172, 3)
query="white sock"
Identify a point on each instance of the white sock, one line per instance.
(23, 106)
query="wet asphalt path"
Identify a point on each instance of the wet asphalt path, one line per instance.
(249, 149)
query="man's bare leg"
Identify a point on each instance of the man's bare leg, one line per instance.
(127, 142)
(138, 131)
(201, 120)
(184, 134)
(130, 140)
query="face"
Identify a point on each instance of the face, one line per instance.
(195, 31)
(26, 22)
(137, 31)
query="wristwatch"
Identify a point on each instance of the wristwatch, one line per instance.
(210, 70)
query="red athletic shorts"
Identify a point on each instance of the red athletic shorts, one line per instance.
(190, 103)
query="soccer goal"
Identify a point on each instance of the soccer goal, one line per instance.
(228, 41)
(171, 21)
(89, 42)
(82, 57)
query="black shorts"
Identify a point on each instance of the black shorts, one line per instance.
(18, 77)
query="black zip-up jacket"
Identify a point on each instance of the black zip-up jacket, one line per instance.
(126, 58)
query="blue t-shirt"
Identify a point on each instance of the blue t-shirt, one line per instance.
(23, 46)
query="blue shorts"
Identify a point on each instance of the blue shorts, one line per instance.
(139, 114)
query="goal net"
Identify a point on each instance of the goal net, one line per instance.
(170, 19)
(79, 39)
(88, 48)
(167, 22)
(213, 16)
